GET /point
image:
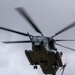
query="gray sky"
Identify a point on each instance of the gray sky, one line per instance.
(50, 16)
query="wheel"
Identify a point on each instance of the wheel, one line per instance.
(35, 67)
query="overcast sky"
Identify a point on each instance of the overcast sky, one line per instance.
(50, 16)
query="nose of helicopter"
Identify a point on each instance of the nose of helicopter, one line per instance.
(37, 44)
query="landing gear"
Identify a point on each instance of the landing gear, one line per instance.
(61, 53)
(35, 67)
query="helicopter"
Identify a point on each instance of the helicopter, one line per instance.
(44, 51)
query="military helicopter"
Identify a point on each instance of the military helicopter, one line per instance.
(43, 52)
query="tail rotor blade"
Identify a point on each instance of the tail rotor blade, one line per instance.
(64, 66)
(62, 71)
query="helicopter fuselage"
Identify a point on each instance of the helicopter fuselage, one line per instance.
(41, 54)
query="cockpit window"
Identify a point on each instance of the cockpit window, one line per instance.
(37, 41)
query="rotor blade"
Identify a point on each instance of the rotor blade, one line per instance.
(65, 47)
(63, 40)
(27, 17)
(64, 29)
(10, 42)
(10, 30)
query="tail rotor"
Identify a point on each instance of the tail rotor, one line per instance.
(64, 66)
